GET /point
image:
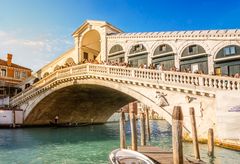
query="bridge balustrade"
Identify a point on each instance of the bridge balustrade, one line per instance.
(208, 82)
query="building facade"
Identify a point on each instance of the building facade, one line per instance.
(205, 51)
(11, 75)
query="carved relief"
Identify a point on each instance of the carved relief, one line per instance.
(161, 99)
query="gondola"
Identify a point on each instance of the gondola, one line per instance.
(68, 124)
(124, 156)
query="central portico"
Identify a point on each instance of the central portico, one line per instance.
(90, 40)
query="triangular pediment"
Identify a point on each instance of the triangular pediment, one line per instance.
(89, 23)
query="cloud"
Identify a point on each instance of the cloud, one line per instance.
(33, 53)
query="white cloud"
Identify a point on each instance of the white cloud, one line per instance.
(33, 53)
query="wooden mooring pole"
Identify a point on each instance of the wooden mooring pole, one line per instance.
(143, 129)
(210, 142)
(132, 113)
(147, 124)
(122, 131)
(194, 134)
(14, 118)
(177, 124)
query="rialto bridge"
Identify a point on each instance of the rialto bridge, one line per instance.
(79, 92)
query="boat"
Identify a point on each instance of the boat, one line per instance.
(125, 156)
(68, 124)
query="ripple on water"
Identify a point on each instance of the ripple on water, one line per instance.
(85, 145)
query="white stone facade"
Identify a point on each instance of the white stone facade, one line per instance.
(212, 41)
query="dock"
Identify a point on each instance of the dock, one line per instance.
(163, 157)
(155, 153)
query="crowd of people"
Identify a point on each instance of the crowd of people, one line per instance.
(160, 67)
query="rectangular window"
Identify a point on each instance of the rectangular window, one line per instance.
(85, 55)
(17, 75)
(224, 70)
(3, 72)
(192, 49)
(227, 51)
(234, 69)
(162, 48)
(24, 75)
(138, 47)
(232, 50)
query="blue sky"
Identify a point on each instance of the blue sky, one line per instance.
(37, 31)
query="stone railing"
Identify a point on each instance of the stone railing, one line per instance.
(204, 83)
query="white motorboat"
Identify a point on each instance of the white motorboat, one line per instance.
(124, 156)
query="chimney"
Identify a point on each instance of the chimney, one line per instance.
(9, 59)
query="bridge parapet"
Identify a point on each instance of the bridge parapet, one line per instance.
(204, 85)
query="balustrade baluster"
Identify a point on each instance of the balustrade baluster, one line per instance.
(189, 79)
(224, 84)
(205, 81)
(108, 71)
(183, 79)
(215, 83)
(229, 84)
(133, 73)
(87, 66)
(220, 84)
(238, 85)
(180, 79)
(210, 82)
(192, 80)
(163, 76)
(176, 78)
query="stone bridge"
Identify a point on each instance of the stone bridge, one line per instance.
(93, 92)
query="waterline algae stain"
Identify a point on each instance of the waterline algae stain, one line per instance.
(86, 145)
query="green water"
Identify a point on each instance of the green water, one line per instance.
(85, 145)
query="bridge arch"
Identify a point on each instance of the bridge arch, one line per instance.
(128, 91)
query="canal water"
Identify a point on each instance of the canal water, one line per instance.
(86, 145)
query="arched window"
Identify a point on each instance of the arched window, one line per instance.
(116, 54)
(193, 50)
(228, 51)
(3, 72)
(227, 61)
(57, 67)
(163, 57)
(70, 62)
(137, 49)
(115, 48)
(194, 59)
(45, 74)
(35, 80)
(138, 56)
(162, 49)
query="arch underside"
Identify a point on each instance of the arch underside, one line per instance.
(78, 104)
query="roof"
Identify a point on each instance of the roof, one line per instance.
(169, 34)
(96, 23)
(4, 63)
